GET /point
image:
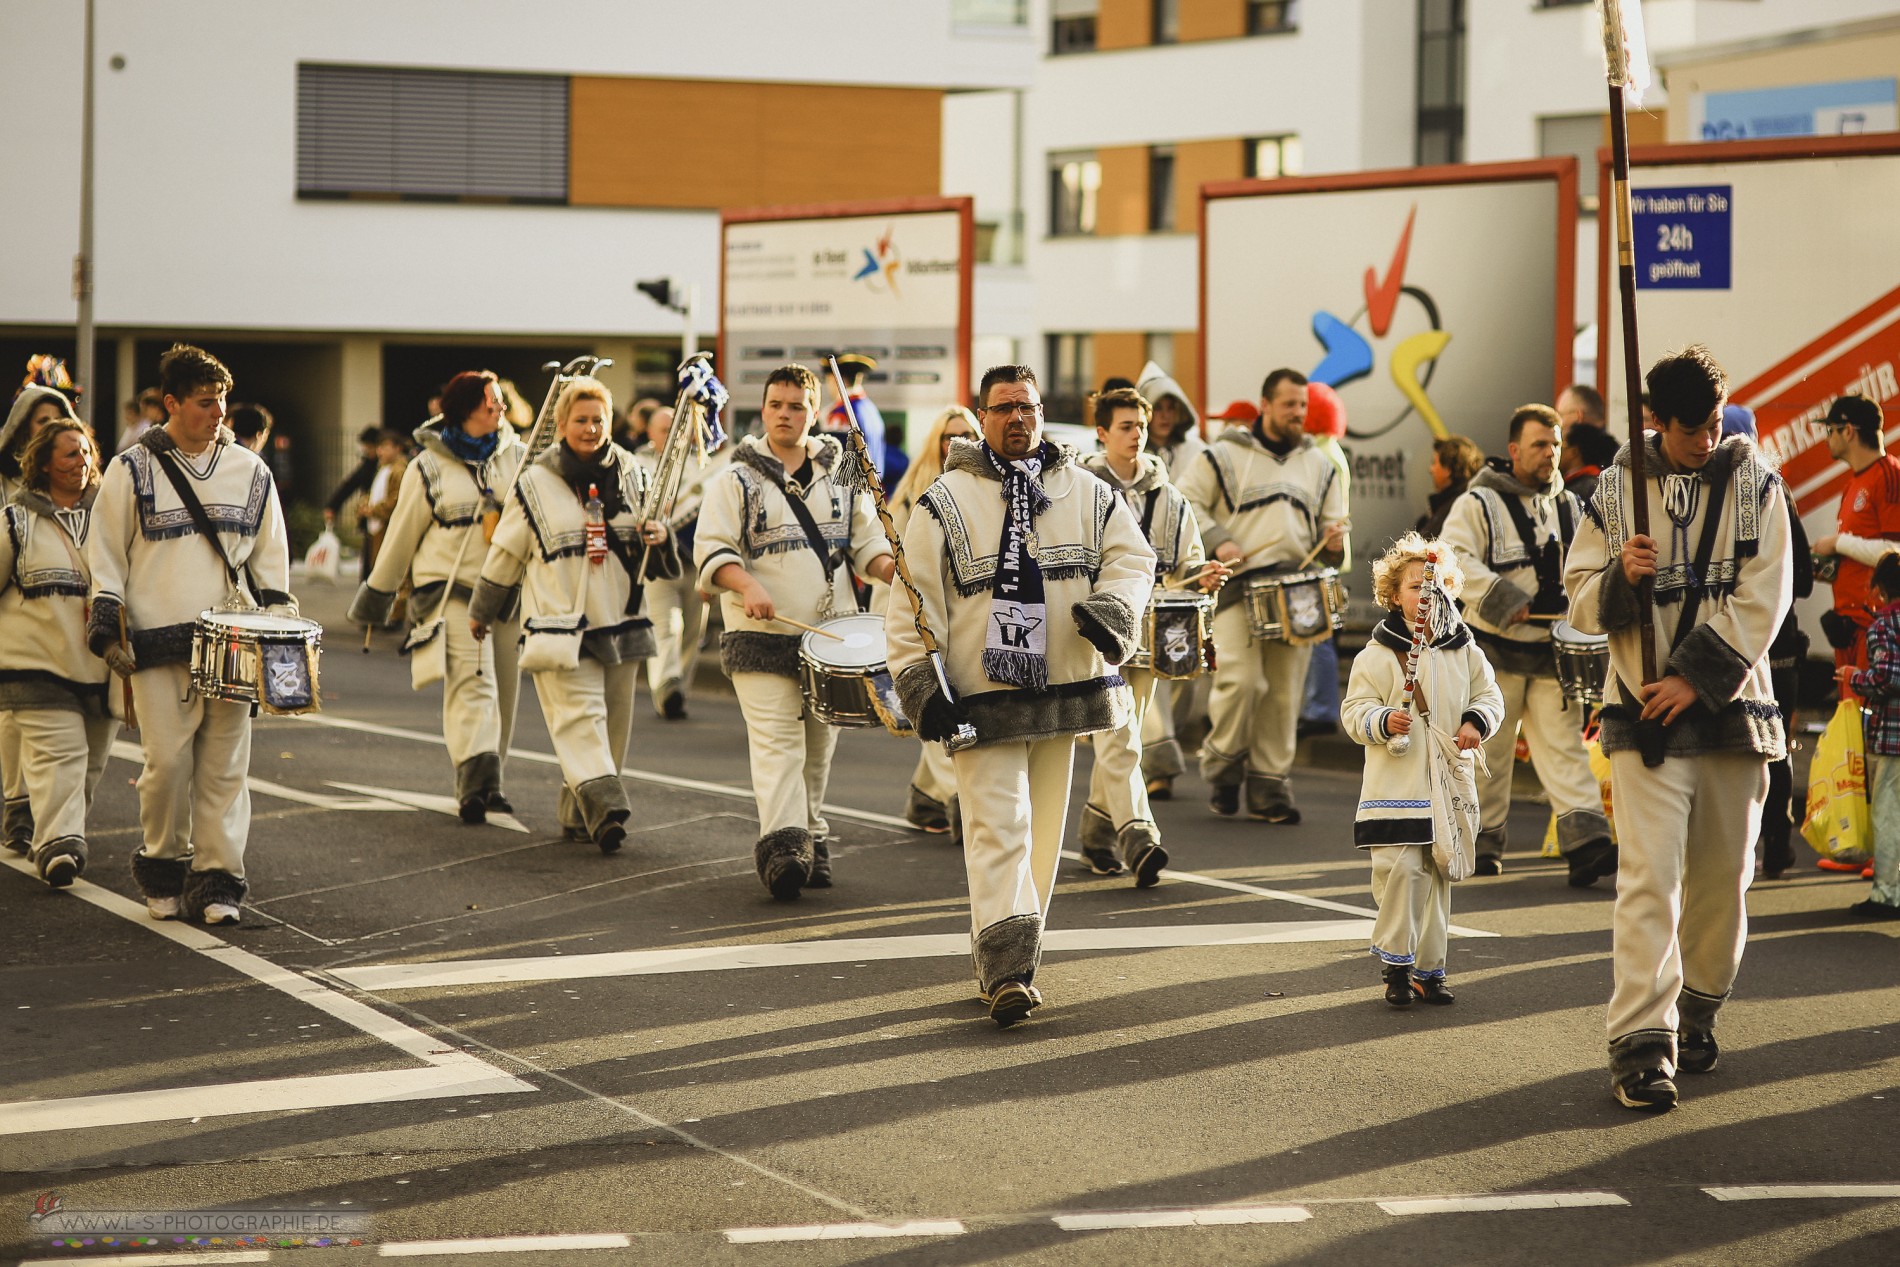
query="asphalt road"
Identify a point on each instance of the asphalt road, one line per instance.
(463, 1034)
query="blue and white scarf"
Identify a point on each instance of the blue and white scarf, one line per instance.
(1016, 646)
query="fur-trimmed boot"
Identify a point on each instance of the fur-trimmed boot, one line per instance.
(1643, 1070)
(1098, 842)
(212, 897)
(604, 808)
(1696, 1048)
(1583, 837)
(1270, 799)
(477, 780)
(16, 823)
(926, 813)
(1139, 844)
(61, 861)
(954, 812)
(785, 859)
(1005, 956)
(820, 864)
(160, 880)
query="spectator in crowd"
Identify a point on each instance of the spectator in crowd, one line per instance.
(639, 415)
(1581, 403)
(1239, 413)
(251, 424)
(379, 502)
(151, 414)
(356, 483)
(1455, 459)
(1587, 450)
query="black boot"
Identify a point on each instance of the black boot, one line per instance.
(1398, 984)
(1225, 799)
(820, 864)
(1433, 990)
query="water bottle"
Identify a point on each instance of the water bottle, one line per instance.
(596, 527)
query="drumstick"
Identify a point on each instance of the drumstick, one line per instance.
(125, 684)
(367, 631)
(1545, 616)
(813, 629)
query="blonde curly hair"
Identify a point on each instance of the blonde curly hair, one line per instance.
(1388, 570)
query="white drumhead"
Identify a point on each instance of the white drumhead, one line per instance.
(856, 642)
(1181, 598)
(1564, 631)
(260, 622)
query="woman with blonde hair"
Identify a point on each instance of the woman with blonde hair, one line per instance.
(571, 549)
(52, 689)
(933, 784)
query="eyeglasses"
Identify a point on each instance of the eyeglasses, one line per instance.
(1010, 409)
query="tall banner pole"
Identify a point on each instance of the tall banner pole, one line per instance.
(1627, 69)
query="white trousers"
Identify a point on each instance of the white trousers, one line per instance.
(936, 773)
(1414, 901)
(1160, 751)
(1255, 705)
(1116, 785)
(1555, 737)
(1686, 831)
(679, 623)
(589, 711)
(790, 750)
(481, 687)
(1015, 800)
(193, 798)
(62, 753)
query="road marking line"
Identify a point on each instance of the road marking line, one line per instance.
(452, 1069)
(842, 1231)
(156, 1260)
(229, 1099)
(1807, 1192)
(1211, 1216)
(429, 801)
(1284, 895)
(1504, 1201)
(504, 1245)
(377, 978)
(131, 752)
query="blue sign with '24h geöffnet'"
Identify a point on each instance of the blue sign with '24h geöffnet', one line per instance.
(1683, 236)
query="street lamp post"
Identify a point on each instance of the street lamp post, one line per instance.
(86, 353)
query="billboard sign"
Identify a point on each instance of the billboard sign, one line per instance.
(891, 280)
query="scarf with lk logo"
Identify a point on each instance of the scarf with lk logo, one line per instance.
(1016, 646)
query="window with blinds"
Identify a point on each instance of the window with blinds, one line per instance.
(383, 131)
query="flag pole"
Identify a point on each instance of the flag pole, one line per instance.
(1617, 57)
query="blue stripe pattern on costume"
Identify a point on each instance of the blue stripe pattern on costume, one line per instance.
(1395, 805)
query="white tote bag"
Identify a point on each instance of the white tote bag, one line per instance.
(1454, 784)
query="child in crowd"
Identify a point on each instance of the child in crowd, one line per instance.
(1879, 685)
(1454, 687)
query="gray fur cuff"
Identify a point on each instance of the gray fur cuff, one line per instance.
(491, 603)
(601, 801)
(1008, 950)
(1108, 622)
(102, 627)
(1580, 828)
(1696, 1012)
(168, 644)
(1503, 600)
(1710, 665)
(1074, 708)
(1617, 604)
(207, 888)
(916, 687)
(1645, 1049)
(750, 651)
(479, 775)
(370, 606)
(159, 877)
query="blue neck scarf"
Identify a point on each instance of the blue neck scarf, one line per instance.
(470, 448)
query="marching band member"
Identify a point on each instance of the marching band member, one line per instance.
(447, 508)
(52, 691)
(679, 614)
(32, 408)
(154, 568)
(1686, 827)
(1118, 827)
(1176, 435)
(776, 530)
(1033, 574)
(569, 550)
(1511, 529)
(933, 784)
(1265, 496)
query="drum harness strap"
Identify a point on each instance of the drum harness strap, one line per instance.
(794, 498)
(202, 521)
(1547, 561)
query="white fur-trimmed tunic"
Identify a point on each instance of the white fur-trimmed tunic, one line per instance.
(43, 585)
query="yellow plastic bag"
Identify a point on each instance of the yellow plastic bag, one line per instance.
(1599, 770)
(1838, 822)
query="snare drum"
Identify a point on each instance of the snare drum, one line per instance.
(842, 674)
(1296, 607)
(257, 658)
(1583, 662)
(1175, 635)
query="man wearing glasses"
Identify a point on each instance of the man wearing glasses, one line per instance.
(1032, 574)
(1869, 523)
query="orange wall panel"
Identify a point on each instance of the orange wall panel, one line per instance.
(1195, 164)
(1124, 24)
(1118, 353)
(710, 144)
(1213, 19)
(1121, 205)
(1187, 370)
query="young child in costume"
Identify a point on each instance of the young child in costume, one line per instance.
(1454, 689)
